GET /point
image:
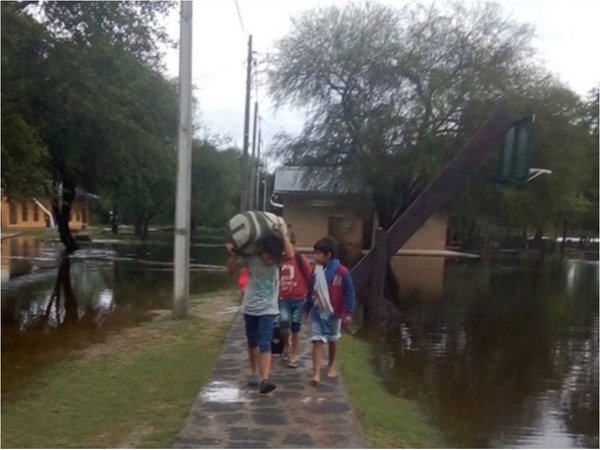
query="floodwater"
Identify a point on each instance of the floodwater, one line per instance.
(102, 288)
(498, 354)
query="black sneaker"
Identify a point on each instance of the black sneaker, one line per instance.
(253, 381)
(266, 386)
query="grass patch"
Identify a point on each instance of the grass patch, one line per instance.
(134, 395)
(389, 421)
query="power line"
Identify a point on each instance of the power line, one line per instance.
(237, 7)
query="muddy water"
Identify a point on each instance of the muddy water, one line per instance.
(101, 288)
(498, 354)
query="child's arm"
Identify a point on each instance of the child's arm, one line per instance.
(234, 262)
(349, 298)
(287, 245)
(306, 270)
(310, 296)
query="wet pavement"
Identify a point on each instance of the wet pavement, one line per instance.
(229, 414)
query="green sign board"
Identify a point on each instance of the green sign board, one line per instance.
(515, 155)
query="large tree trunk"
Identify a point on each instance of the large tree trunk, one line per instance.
(377, 288)
(564, 238)
(62, 213)
(384, 212)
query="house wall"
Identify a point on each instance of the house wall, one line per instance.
(79, 214)
(431, 236)
(310, 222)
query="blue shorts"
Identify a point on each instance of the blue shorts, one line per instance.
(325, 330)
(290, 310)
(259, 331)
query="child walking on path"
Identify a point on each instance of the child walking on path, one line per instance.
(294, 279)
(331, 301)
(260, 302)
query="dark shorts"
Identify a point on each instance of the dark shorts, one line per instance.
(259, 331)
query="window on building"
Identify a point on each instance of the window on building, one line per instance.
(84, 216)
(77, 216)
(36, 213)
(12, 217)
(24, 212)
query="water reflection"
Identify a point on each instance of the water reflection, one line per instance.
(419, 277)
(505, 355)
(53, 304)
(222, 392)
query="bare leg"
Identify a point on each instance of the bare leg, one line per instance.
(317, 354)
(285, 335)
(253, 355)
(331, 372)
(265, 365)
(295, 345)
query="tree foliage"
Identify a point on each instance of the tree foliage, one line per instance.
(215, 184)
(391, 95)
(388, 92)
(565, 143)
(89, 108)
(24, 153)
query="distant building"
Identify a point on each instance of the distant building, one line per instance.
(35, 213)
(316, 210)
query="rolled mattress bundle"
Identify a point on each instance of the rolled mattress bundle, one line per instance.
(248, 228)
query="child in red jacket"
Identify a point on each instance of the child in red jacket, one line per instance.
(326, 324)
(295, 275)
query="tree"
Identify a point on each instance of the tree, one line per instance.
(24, 154)
(388, 92)
(95, 100)
(564, 142)
(215, 184)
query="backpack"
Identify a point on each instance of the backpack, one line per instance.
(277, 344)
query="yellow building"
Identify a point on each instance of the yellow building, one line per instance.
(347, 214)
(35, 213)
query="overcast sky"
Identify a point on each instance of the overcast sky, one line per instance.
(567, 40)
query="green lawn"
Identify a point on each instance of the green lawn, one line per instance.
(388, 421)
(136, 393)
(136, 390)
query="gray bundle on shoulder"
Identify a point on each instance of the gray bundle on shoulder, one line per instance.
(251, 230)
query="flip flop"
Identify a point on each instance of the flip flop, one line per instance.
(313, 382)
(293, 364)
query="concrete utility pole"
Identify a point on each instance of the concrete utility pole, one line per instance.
(244, 194)
(181, 260)
(253, 204)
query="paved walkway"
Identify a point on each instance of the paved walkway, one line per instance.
(229, 414)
